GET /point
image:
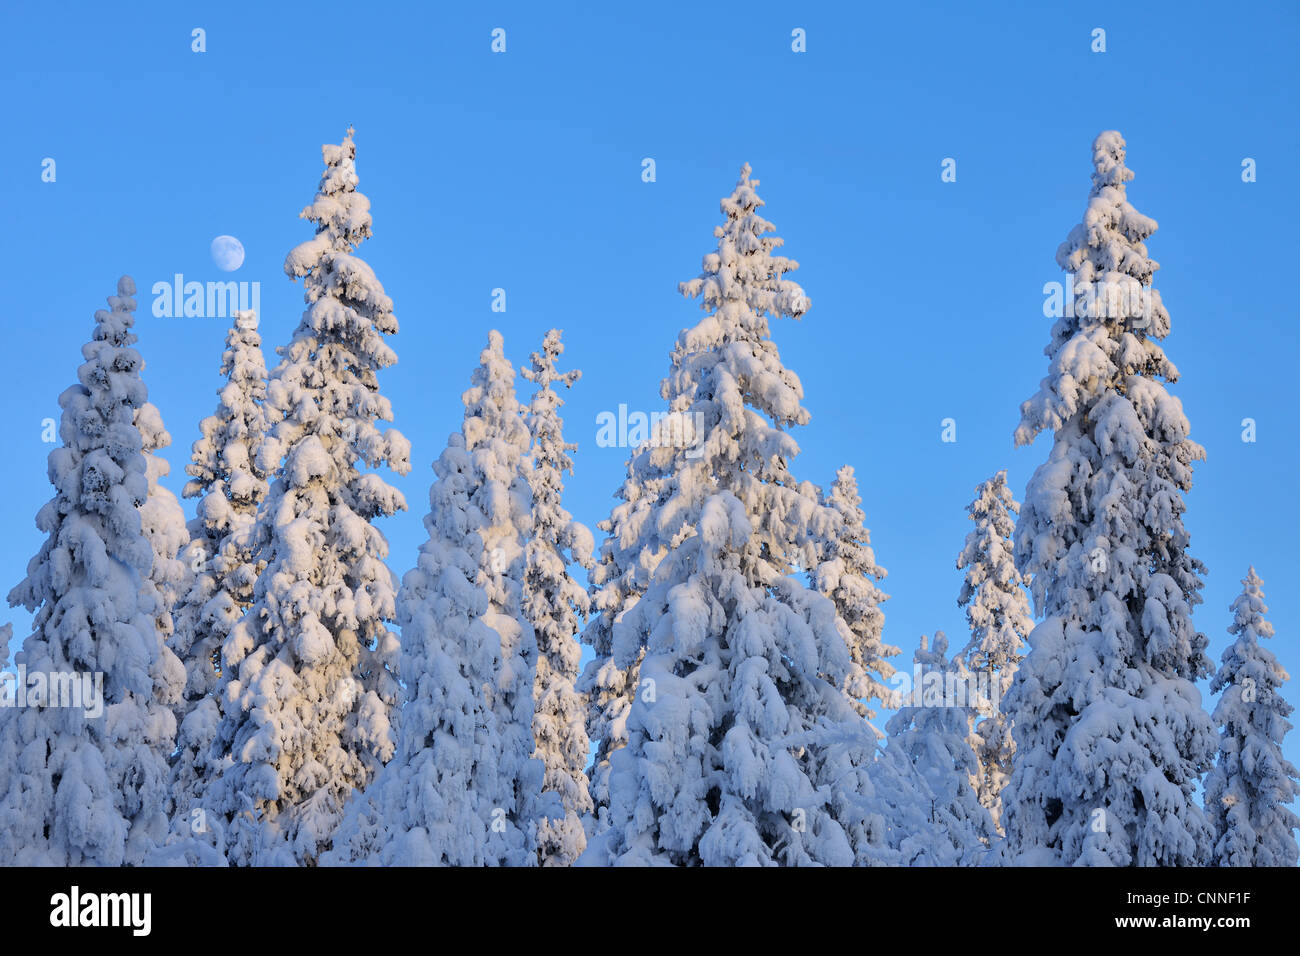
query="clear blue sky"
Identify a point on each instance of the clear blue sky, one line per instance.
(522, 170)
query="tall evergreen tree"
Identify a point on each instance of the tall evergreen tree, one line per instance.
(998, 614)
(847, 573)
(744, 670)
(80, 787)
(307, 707)
(555, 604)
(1111, 736)
(230, 484)
(462, 786)
(496, 434)
(1249, 791)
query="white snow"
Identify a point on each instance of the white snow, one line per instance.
(1110, 734)
(76, 789)
(312, 663)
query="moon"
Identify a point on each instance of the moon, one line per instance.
(227, 253)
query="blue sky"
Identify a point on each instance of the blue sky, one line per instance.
(522, 171)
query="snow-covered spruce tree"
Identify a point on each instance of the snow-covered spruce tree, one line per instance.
(1111, 736)
(89, 785)
(463, 785)
(226, 478)
(555, 604)
(635, 543)
(743, 693)
(931, 734)
(306, 710)
(997, 611)
(432, 804)
(846, 573)
(497, 439)
(1248, 792)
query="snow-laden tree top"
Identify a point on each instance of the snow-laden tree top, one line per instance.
(308, 712)
(463, 788)
(1109, 334)
(88, 786)
(846, 573)
(998, 614)
(230, 485)
(992, 590)
(1249, 795)
(737, 749)
(1110, 734)
(555, 604)
(222, 466)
